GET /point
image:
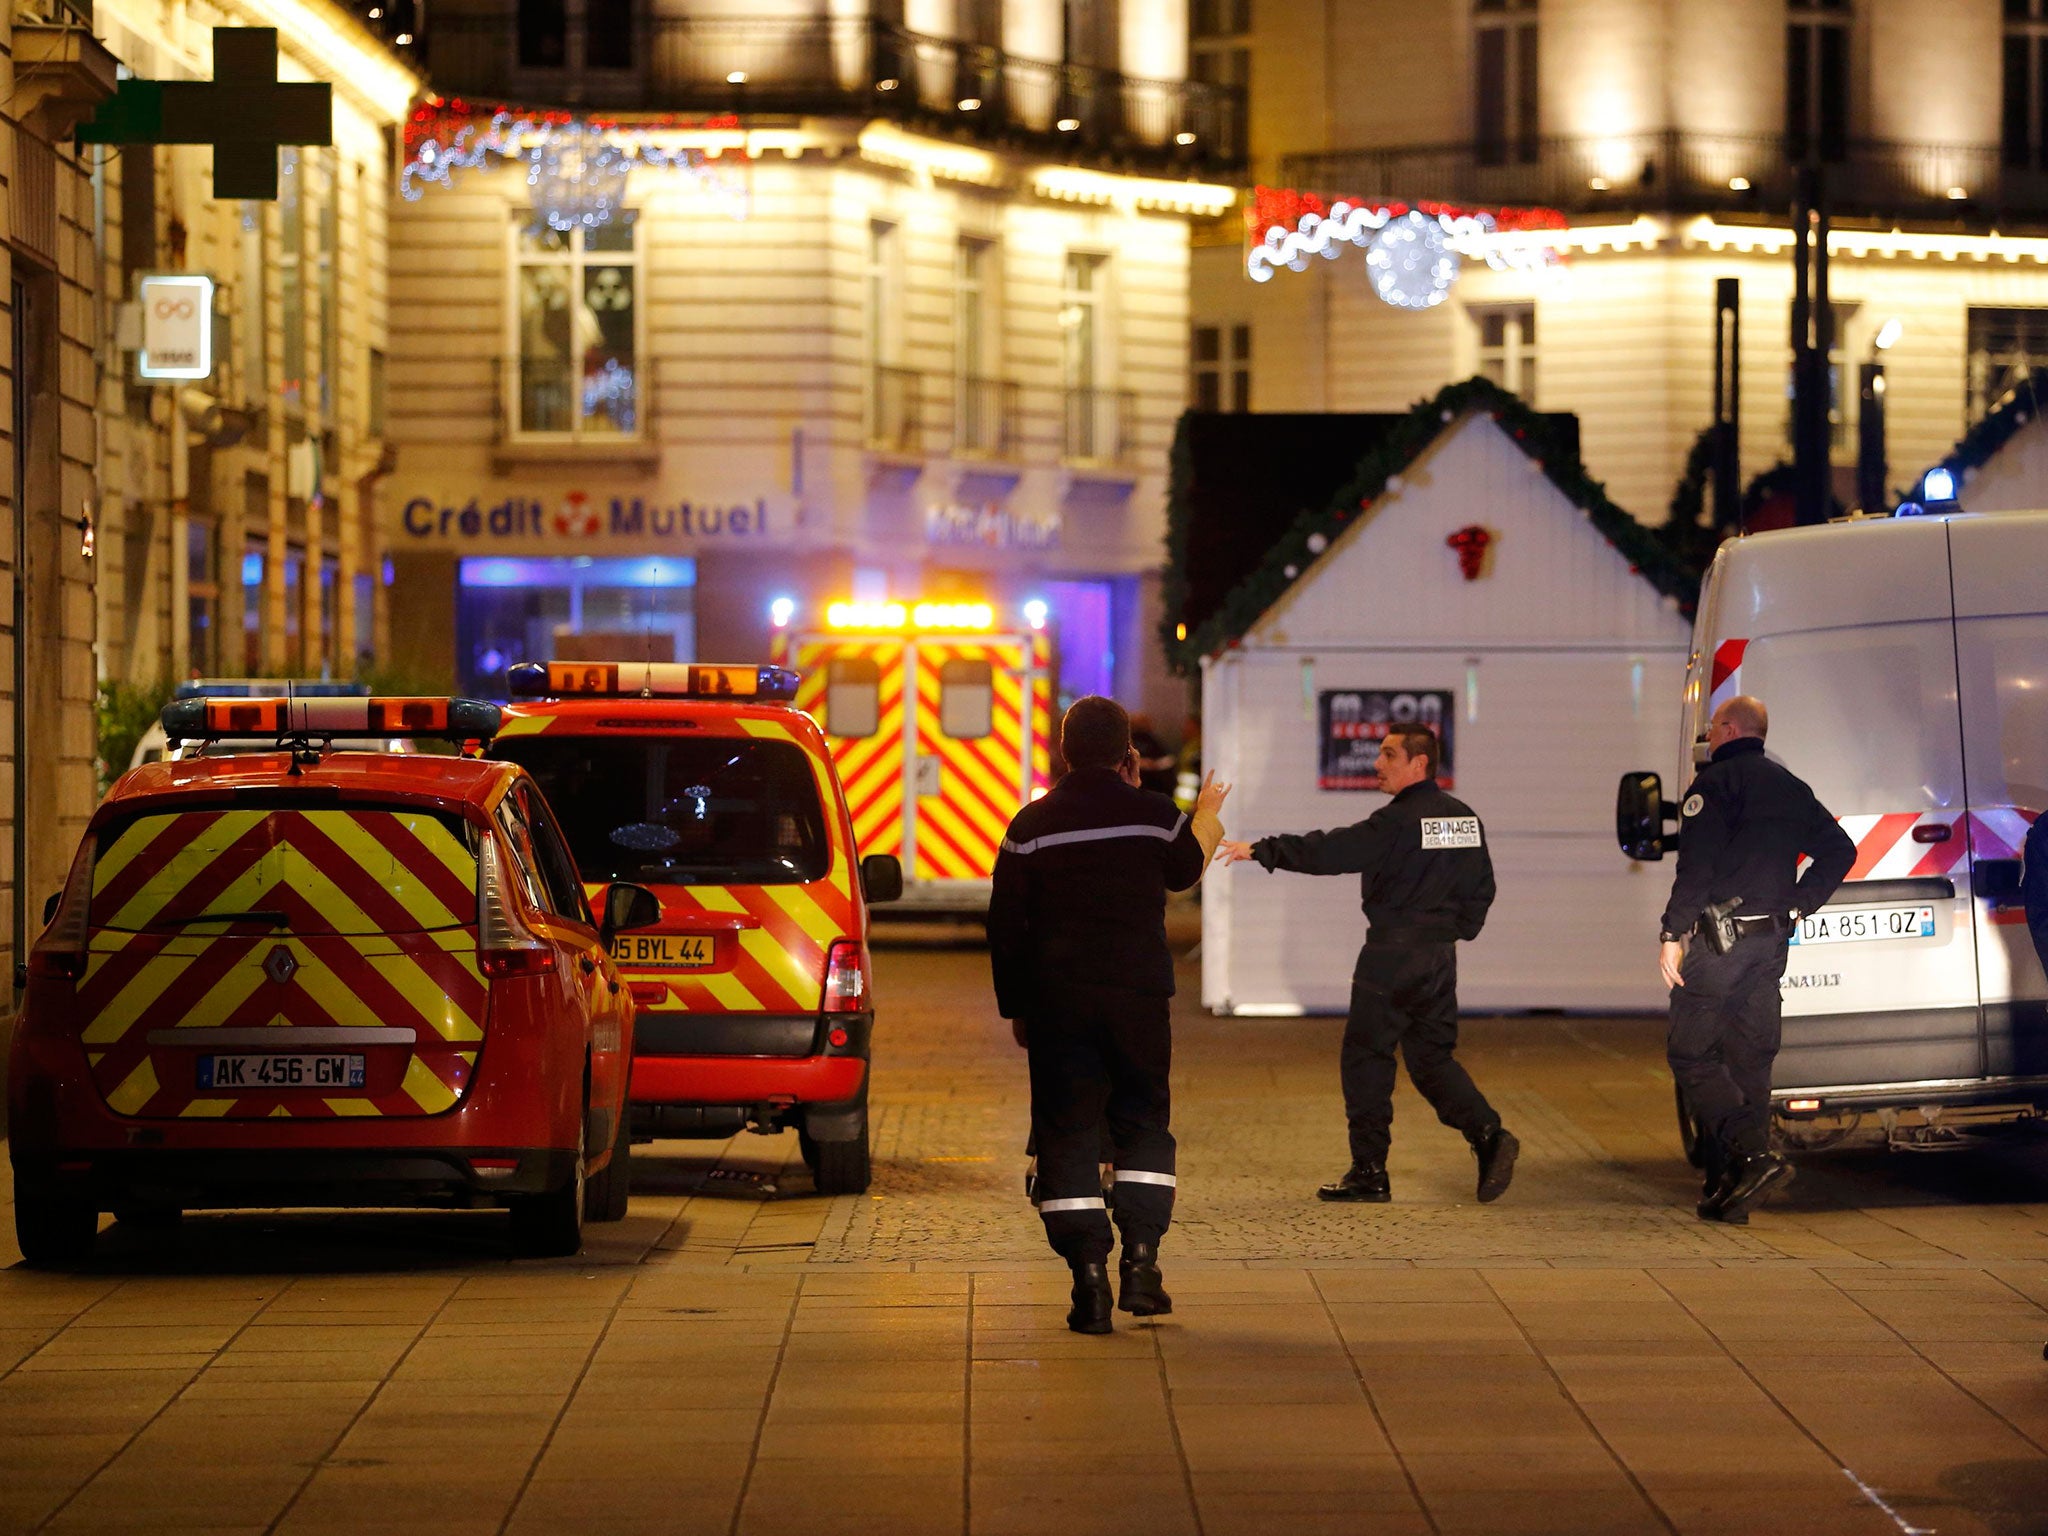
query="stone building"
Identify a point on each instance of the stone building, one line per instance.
(1662, 133)
(737, 309)
(52, 73)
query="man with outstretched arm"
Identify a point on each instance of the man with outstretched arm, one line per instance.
(1077, 941)
(1425, 881)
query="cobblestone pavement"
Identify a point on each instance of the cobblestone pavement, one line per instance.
(740, 1355)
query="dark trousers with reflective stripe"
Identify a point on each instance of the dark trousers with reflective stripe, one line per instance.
(1723, 1041)
(1100, 1056)
(1405, 997)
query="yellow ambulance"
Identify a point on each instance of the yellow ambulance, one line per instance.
(939, 715)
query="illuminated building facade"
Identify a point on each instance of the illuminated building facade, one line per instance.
(704, 313)
(239, 533)
(1663, 133)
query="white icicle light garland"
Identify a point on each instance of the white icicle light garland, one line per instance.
(575, 171)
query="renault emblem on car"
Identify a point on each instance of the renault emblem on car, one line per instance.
(280, 965)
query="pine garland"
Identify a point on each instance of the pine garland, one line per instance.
(1315, 533)
(1978, 446)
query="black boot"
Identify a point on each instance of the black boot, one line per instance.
(1496, 1152)
(1142, 1289)
(1092, 1306)
(1362, 1181)
(1714, 1194)
(1750, 1178)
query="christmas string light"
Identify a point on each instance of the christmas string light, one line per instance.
(1292, 227)
(576, 168)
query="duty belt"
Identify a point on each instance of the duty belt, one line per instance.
(1721, 928)
(1417, 934)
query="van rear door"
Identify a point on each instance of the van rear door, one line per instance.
(2002, 677)
(1859, 673)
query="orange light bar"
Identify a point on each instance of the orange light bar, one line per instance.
(209, 718)
(649, 679)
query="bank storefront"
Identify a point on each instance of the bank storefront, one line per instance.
(488, 575)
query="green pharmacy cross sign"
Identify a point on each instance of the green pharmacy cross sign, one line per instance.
(245, 112)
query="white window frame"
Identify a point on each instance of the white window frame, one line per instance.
(575, 259)
(1095, 301)
(1516, 355)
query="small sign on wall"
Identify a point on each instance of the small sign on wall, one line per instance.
(1352, 722)
(177, 326)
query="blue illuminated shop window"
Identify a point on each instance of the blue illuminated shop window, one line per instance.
(512, 571)
(512, 609)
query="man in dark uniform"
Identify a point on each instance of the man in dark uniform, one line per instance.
(1426, 881)
(1745, 824)
(1077, 940)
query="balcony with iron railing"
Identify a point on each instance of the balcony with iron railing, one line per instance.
(895, 410)
(985, 415)
(851, 66)
(1951, 185)
(1099, 427)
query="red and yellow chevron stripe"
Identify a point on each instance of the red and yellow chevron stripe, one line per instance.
(981, 779)
(871, 768)
(379, 908)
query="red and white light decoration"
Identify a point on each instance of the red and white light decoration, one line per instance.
(1414, 251)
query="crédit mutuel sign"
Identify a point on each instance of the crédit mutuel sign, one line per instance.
(535, 523)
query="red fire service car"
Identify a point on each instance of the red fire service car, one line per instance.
(317, 977)
(705, 784)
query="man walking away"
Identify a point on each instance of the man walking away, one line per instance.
(1744, 824)
(1077, 941)
(1425, 881)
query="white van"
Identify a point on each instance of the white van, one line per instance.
(1904, 662)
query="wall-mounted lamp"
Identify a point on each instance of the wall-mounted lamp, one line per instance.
(88, 535)
(1888, 334)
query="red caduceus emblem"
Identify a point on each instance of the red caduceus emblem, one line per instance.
(1470, 542)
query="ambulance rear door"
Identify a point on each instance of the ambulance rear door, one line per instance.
(1847, 634)
(854, 688)
(973, 741)
(2002, 673)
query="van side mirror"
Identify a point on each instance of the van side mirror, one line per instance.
(881, 877)
(50, 907)
(1640, 815)
(629, 906)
